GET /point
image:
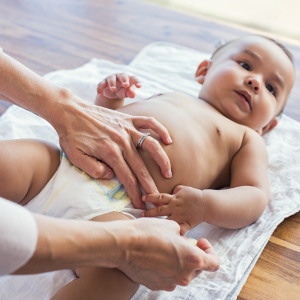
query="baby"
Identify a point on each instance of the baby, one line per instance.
(216, 143)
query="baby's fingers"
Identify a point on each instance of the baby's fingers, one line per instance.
(130, 92)
(101, 86)
(111, 80)
(124, 79)
(157, 198)
(157, 212)
(135, 81)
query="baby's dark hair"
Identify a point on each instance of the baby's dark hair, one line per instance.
(285, 50)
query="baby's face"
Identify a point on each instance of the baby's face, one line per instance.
(249, 81)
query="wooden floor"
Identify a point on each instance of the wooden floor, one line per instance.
(64, 34)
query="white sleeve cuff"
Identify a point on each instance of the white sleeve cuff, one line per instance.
(18, 236)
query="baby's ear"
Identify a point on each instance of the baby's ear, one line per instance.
(271, 125)
(202, 71)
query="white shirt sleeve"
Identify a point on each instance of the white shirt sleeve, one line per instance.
(18, 236)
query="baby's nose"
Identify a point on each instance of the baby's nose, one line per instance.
(254, 83)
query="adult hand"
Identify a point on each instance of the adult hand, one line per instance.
(102, 142)
(149, 251)
(88, 133)
(161, 259)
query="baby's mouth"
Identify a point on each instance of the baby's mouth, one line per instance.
(246, 96)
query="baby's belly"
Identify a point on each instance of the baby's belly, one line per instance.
(193, 163)
(199, 154)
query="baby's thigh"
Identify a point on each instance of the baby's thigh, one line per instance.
(104, 283)
(100, 283)
(26, 166)
(112, 216)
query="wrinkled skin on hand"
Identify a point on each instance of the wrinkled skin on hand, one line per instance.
(91, 135)
(161, 259)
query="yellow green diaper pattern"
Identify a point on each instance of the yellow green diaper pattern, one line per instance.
(111, 190)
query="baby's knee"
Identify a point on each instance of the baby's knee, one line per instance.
(107, 283)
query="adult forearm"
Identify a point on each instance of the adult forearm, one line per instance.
(158, 258)
(234, 208)
(67, 244)
(21, 86)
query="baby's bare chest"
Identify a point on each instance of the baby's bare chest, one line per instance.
(204, 143)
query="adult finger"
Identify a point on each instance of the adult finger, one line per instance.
(92, 166)
(157, 198)
(159, 211)
(111, 80)
(153, 146)
(210, 261)
(152, 123)
(139, 169)
(127, 178)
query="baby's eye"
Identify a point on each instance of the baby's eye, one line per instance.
(245, 65)
(271, 89)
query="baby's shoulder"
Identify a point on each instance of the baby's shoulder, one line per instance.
(253, 141)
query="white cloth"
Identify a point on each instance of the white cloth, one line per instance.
(18, 236)
(164, 67)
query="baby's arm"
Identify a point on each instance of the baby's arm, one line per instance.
(112, 91)
(236, 207)
(249, 192)
(25, 167)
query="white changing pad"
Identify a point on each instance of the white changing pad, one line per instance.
(164, 67)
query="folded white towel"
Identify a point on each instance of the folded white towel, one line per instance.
(164, 67)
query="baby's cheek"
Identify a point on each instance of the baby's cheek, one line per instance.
(263, 116)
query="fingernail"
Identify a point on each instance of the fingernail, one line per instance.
(144, 198)
(143, 214)
(169, 174)
(169, 140)
(108, 175)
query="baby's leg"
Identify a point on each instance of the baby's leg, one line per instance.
(99, 283)
(25, 168)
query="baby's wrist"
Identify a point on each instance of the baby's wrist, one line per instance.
(100, 96)
(203, 206)
(108, 102)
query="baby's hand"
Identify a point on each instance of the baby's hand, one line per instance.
(185, 207)
(118, 86)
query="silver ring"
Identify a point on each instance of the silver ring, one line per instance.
(141, 140)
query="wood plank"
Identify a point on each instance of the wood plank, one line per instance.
(51, 35)
(277, 272)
